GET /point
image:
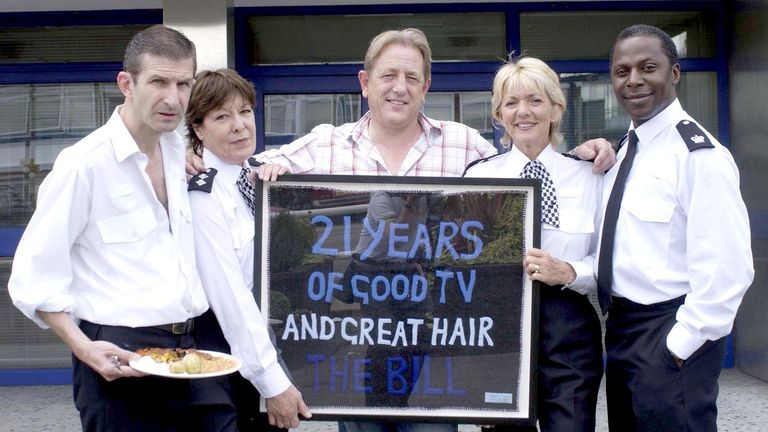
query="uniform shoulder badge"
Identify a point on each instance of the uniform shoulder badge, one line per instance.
(693, 135)
(253, 162)
(203, 181)
(479, 161)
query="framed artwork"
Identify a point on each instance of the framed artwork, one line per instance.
(402, 297)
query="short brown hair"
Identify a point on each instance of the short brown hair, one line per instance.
(410, 37)
(211, 91)
(160, 41)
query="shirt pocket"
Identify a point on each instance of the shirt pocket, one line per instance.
(129, 227)
(573, 216)
(651, 210)
(651, 228)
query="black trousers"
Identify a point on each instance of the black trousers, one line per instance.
(645, 389)
(233, 399)
(570, 363)
(134, 404)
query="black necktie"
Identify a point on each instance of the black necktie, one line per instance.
(605, 263)
(549, 210)
(246, 189)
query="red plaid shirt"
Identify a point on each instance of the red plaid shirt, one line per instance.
(444, 149)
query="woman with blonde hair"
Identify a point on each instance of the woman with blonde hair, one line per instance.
(528, 103)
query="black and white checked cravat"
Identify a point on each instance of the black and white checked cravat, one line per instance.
(549, 212)
(246, 189)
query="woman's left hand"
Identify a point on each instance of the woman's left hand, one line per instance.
(543, 267)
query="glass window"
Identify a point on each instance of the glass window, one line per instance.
(65, 43)
(345, 38)
(288, 117)
(590, 34)
(22, 343)
(39, 121)
(593, 111)
(471, 108)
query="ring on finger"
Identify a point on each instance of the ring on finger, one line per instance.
(535, 268)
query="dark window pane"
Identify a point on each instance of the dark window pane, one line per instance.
(345, 38)
(590, 34)
(65, 44)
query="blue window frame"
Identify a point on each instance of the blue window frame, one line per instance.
(459, 76)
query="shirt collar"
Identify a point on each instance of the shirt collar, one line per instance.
(546, 157)
(123, 143)
(226, 171)
(647, 131)
(429, 126)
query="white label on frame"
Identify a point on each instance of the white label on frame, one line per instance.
(500, 398)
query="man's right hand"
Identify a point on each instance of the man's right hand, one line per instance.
(108, 360)
(284, 409)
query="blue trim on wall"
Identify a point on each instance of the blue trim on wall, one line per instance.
(9, 240)
(30, 377)
(45, 73)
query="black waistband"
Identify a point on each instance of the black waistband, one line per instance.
(179, 328)
(627, 304)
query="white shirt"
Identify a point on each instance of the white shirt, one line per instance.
(578, 200)
(443, 150)
(682, 229)
(224, 233)
(100, 246)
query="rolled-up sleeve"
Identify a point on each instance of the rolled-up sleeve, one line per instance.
(42, 266)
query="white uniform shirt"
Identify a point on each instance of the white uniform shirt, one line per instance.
(100, 246)
(578, 200)
(224, 233)
(682, 229)
(443, 150)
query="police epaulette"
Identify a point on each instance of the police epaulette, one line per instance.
(694, 137)
(479, 161)
(573, 156)
(253, 162)
(203, 181)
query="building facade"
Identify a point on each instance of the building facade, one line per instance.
(58, 63)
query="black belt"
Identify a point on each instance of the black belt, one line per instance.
(627, 304)
(179, 328)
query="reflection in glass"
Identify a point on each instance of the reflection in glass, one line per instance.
(398, 297)
(38, 122)
(593, 111)
(288, 117)
(471, 108)
(22, 343)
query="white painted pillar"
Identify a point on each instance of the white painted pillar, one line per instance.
(207, 23)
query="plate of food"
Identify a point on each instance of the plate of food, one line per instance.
(184, 363)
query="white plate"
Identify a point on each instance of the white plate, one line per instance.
(147, 365)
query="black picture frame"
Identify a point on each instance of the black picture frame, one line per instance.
(429, 318)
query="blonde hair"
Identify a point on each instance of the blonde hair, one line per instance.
(410, 37)
(529, 73)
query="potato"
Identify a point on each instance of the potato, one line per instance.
(192, 363)
(177, 367)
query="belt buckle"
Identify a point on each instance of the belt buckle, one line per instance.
(181, 327)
